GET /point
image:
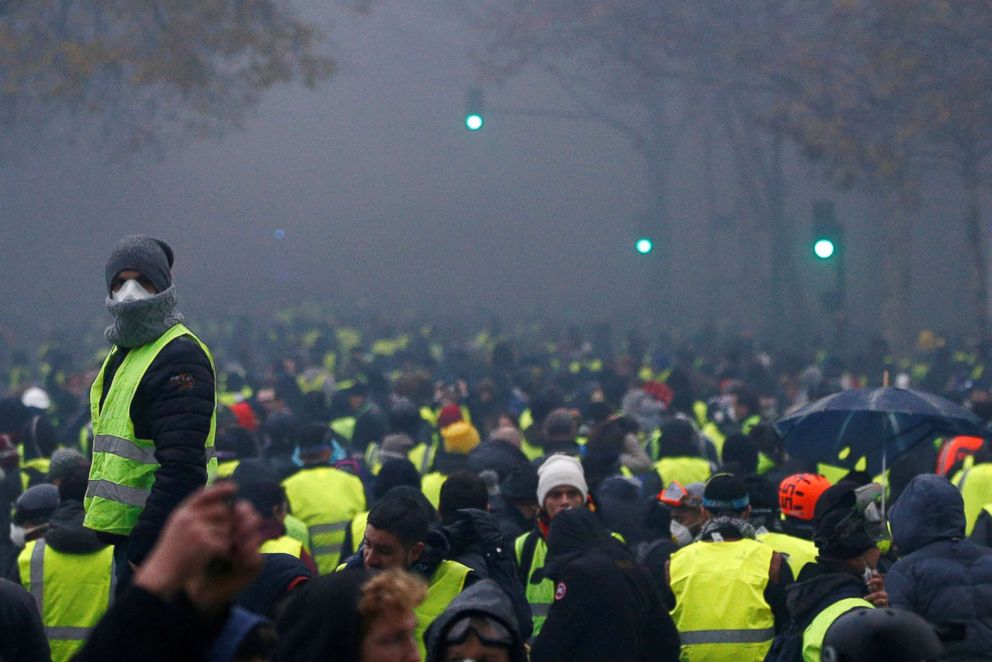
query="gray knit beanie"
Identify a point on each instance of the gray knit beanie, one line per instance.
(150, 257)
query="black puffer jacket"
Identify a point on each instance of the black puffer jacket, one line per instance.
(942, 576)
(173, 406)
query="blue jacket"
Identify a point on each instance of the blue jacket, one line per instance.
(942, 576)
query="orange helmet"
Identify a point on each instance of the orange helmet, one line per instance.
(797, 494)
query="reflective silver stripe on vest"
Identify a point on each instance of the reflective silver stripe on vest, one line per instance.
(38, 575)
(539, 609)
(66, 632)
(726, 636)
(129, 496)
(321, 550)
(108, 443)
(318, 529)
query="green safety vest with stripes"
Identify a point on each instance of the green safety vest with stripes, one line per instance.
(123, 470)
(71, 591)
(720, 607)
(446, 583)
(539, 596)
(326, 499)
(816, 631)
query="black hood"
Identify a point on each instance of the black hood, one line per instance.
(66, 532)
(929, 509)
(484, 598)
(573, 533)
(817, 587)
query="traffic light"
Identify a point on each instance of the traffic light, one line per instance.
(474, 119)
(828, 235)
(643, 245)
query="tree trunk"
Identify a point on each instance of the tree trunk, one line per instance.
(897, 325)
(978, 271)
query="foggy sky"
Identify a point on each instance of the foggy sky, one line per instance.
(385, 197)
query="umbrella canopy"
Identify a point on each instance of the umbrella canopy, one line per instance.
(878, 424)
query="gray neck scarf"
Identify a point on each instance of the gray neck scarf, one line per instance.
(726, 525)
(138, 323)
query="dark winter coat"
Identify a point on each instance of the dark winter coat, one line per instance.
(484, 598)
(172, 407)
(22, 636)
(606, 606)
(942, 576)
(66, 532)
(142, 627)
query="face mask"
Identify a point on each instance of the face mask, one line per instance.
(681, 534)
(17, 535)
(131, 290)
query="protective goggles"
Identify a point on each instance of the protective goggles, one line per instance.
(866, 515)
(487, 630)
(677, 496)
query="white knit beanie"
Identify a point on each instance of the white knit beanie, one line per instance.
(558, 470)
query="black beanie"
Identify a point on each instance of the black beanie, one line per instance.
(150, 257)
(837, 534)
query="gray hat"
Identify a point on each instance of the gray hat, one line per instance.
(36, 504)
(64, 460)
(150, 257)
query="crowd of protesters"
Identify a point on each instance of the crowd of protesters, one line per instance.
(307, 489)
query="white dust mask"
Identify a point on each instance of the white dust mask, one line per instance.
(131, 290)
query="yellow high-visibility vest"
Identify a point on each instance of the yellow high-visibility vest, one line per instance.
(123, 470)
(815, 632)
(720, 608)
(72, 592)
(326, 499)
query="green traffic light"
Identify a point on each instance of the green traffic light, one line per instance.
(824, 249)
(643, 246)
(474, 121)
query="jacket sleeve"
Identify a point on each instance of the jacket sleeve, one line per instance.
(899, 586)
(173, 407)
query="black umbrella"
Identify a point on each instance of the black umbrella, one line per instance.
(878, 424)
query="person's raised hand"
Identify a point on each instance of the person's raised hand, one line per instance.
(198, 530)
(876, 591)
(213, 588)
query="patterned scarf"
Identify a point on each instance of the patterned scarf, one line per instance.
(138, 323)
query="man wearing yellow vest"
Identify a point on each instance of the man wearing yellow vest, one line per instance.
(152, 406)
(728, 588)
(68, 571)
(324, 497)
(844, 576)
(561, 484)
(398, 535)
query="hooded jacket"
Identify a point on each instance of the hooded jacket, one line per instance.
(66, 533)
(484, 598)
(606, 606)
(941, 576)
